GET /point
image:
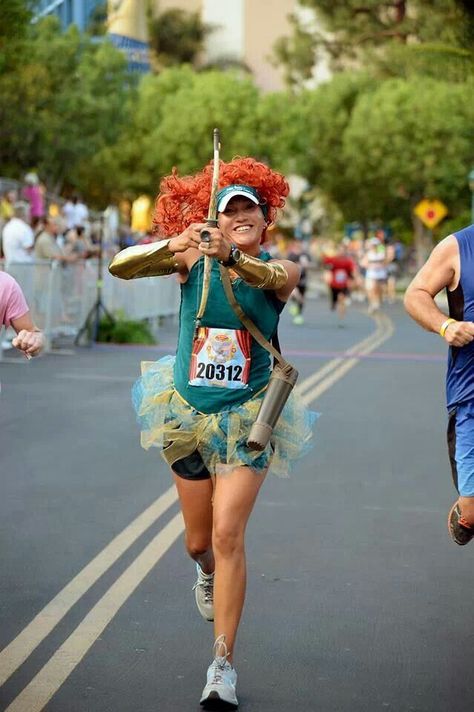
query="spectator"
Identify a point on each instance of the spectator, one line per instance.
(46, 245)
(14, 312)
(50, 252)
(75, 213)
(33, 193)
(126, 238)
(7, 203)
(77, 243)
(17, 236)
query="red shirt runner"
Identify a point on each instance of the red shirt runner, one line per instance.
(342, 269)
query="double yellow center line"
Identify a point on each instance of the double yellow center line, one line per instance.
(35, 696)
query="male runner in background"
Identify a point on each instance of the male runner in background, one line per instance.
(342, 270)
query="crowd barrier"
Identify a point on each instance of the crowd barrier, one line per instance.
(60, 296)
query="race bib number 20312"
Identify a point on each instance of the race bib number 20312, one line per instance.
(220, 358)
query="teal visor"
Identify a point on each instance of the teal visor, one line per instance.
(230, 191)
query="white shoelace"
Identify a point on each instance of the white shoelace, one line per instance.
(220, 660)
(207, 584)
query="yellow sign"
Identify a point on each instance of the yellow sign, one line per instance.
(430, 212)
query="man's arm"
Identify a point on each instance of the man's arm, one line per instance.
(441, 270)
(29, 338)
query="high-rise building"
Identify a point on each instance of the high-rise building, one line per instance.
(128, 30)
(126, 24)
(70, 12)
(245, 32)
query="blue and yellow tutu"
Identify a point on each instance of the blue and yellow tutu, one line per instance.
(167, 421)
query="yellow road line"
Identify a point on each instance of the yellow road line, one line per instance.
(383, 334)
(43, 686)
(41, 626)
(335, 362)
(49, 679)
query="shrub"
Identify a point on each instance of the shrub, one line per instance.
(124, 331)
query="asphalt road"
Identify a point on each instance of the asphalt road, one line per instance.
(357, 599)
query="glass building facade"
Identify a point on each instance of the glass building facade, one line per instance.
(70, 12)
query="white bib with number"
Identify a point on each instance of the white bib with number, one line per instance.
(220, 357)
(340, 276)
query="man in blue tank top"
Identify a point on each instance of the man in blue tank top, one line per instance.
(451, 266)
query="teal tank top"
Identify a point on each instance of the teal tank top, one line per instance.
(262, 306)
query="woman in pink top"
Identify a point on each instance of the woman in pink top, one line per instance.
(14, 312)
(33, 193)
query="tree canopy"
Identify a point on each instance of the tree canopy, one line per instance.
(383, 36)
(177, 37)
(375, 138)
(60, 102)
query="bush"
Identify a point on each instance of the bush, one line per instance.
(124, 331)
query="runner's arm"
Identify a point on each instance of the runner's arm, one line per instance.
(440, 271)
(294, 272)
(158, 258)
(29, 338)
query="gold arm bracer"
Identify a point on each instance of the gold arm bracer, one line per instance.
(260, 274)
(153, 260)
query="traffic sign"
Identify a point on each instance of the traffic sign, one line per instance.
(430, 212)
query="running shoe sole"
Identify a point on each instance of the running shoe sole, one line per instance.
(214, 702)
(451, 531)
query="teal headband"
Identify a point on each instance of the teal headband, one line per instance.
(230, 191)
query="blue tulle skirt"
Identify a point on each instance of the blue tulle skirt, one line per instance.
(168, 422)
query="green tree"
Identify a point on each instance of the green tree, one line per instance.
(280, 127)
(409, 140)
(98, 20)
(62, 102)
(183, 137)
(323, 117)
(405, 141)
(124, 167)
(365, 33)
(374, 148)
(15, 19)
(177, 37)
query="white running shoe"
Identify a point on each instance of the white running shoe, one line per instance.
(204, 593)
(219, 693)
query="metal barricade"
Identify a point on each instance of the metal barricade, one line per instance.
(60, 296)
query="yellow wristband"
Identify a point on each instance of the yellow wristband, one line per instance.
(445, 325)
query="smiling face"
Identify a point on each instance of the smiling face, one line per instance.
(243, 223)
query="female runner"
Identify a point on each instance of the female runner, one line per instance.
(198, 407)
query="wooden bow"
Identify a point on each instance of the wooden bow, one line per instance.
(205, 234)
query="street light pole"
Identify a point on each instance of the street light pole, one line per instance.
(471, 186)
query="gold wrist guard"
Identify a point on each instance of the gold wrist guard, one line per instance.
(153, 260)
(259, 274)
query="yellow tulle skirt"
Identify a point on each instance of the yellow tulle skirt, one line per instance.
(168, 422)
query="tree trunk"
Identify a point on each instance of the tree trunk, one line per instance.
(423, 241)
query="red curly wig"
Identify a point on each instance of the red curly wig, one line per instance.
(185, 200)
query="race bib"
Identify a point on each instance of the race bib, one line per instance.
(220, 358)
(340, 276)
